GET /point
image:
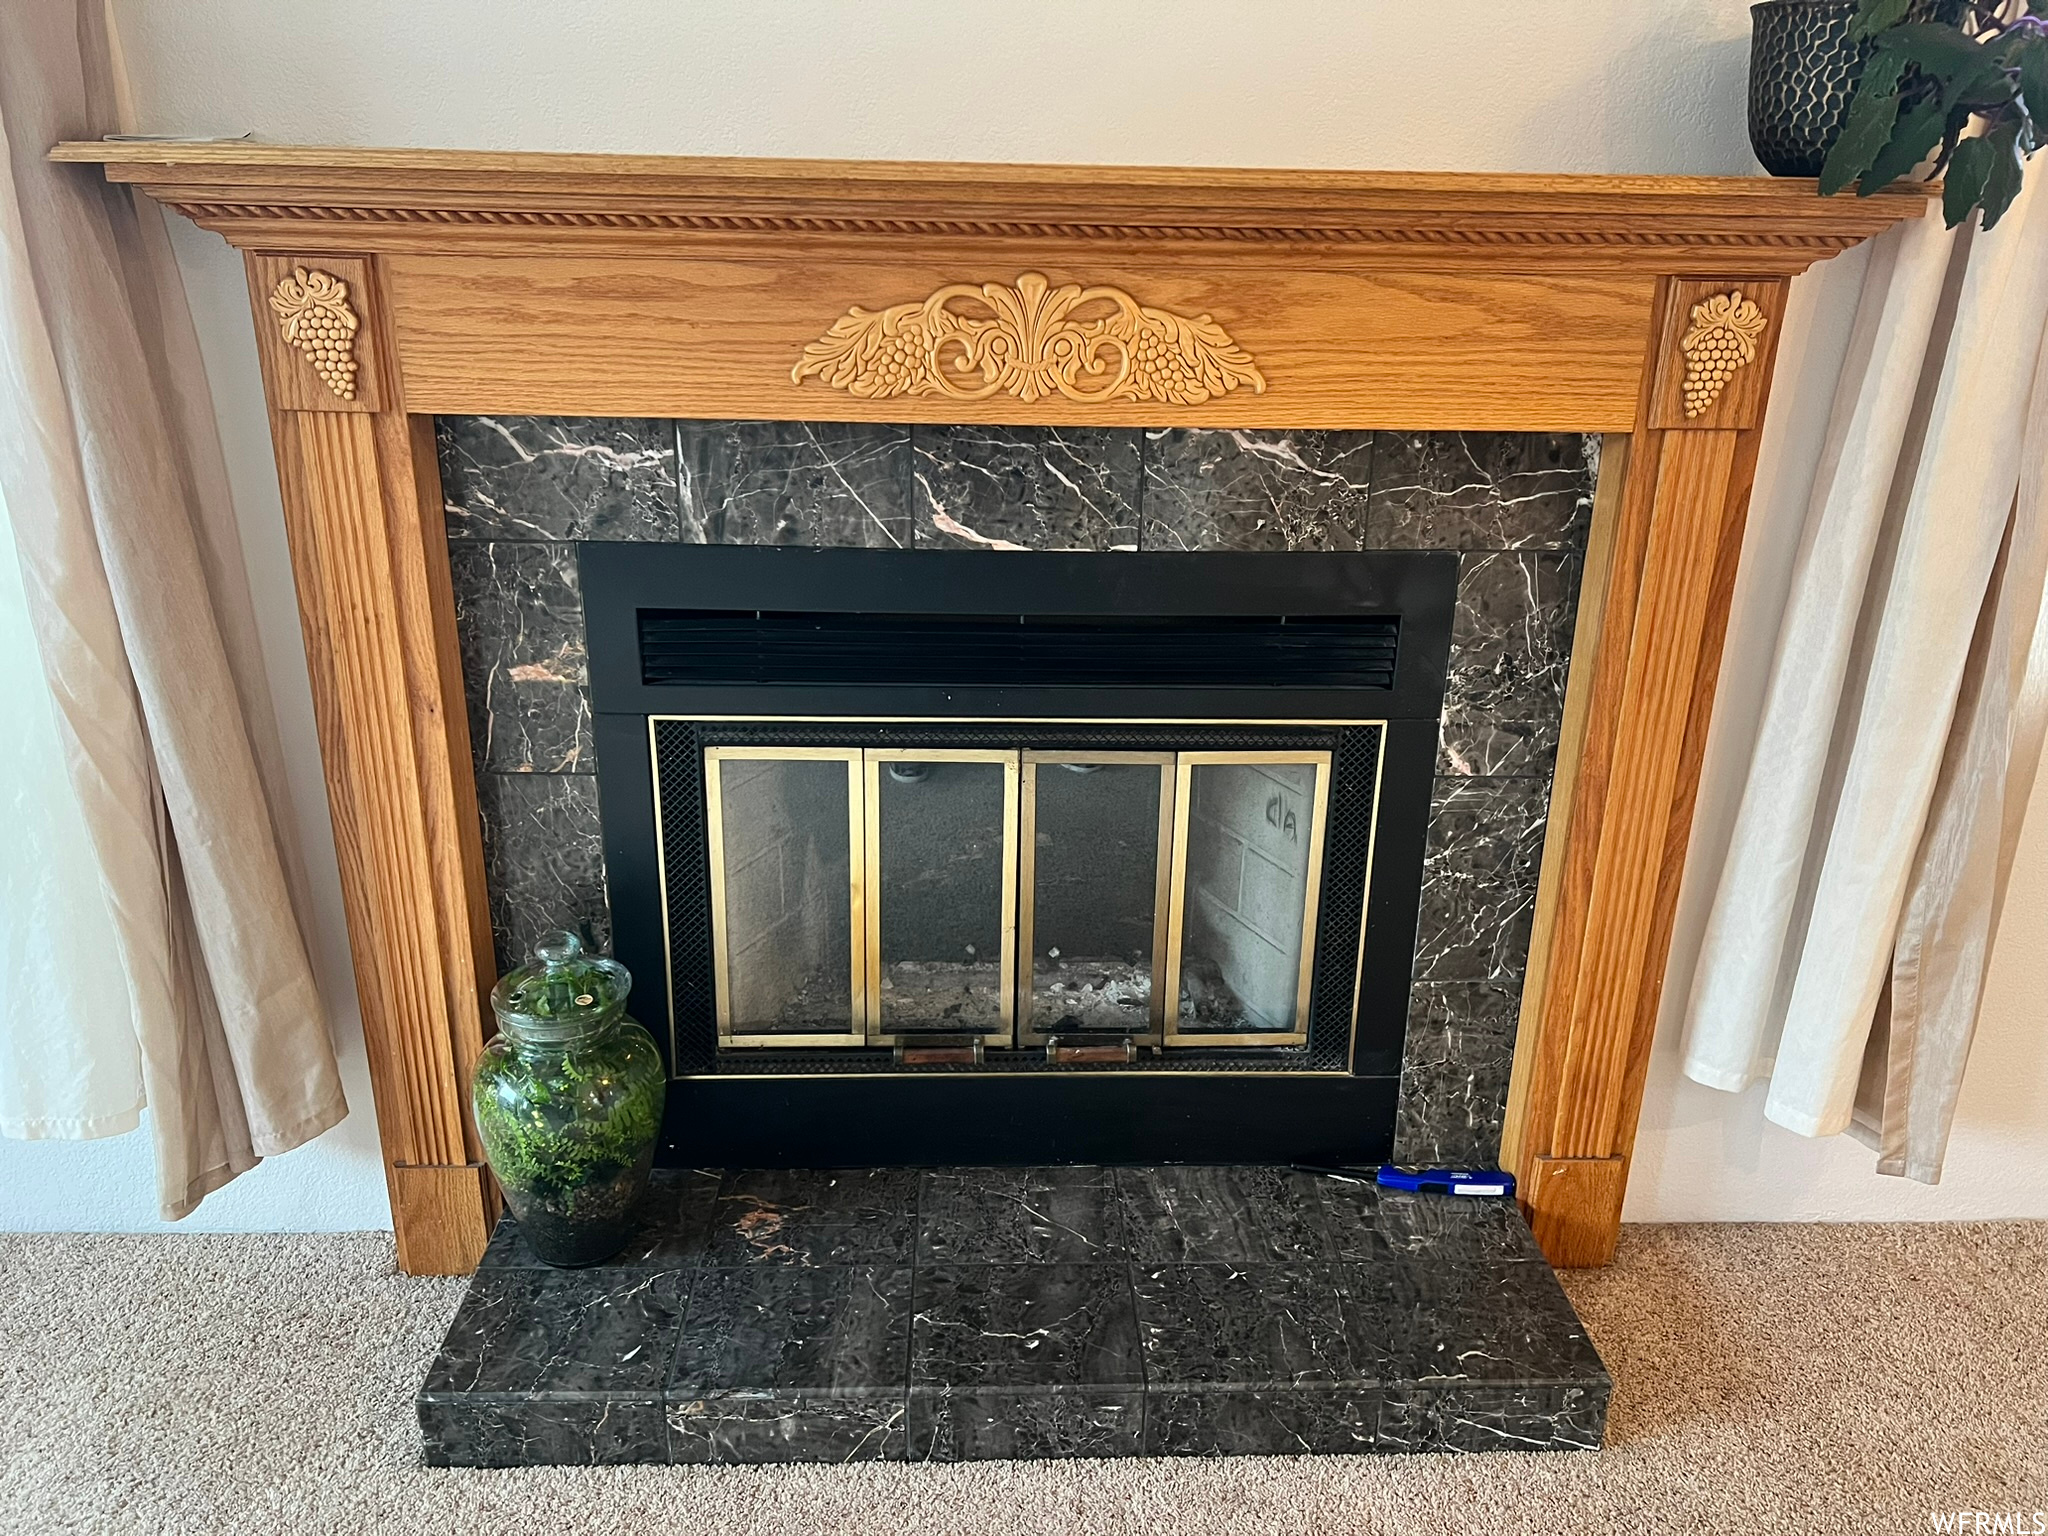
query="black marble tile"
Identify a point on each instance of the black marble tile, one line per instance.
(1026, 487)
(809, 1216)
(1481, 860)
(1232, 1215)
(590, 1431)
(796, 482)
(1511, 645)
(519, 623)
(789, 1329)
(791, 1428)
(1024, 1426)
(1020, 1216)
(555, 1331)
(1480, 490)
(670, 1232)
(543, 860)
(1351, 1215)
(1024, 1325)
(1462, 1229)
(1256, 488)
(1451, 1320)
(1567, 1417)
(1444, 1331)
(1456, 1059)
(1246, 1325)
(1267, 1421)
(558, 477)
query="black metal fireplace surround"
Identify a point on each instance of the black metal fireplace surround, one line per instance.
(922, 671)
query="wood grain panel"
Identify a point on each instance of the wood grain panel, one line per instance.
(1612, 893)
(1571, 939)
(1575, 1205)
(442, 1218)
(1733, 517)
(363, 515)
(708, 339)
(1643, 789)
(374, 773)
(296, 197)
(1587, 630)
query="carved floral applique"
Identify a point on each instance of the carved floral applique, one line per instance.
(1031, 341)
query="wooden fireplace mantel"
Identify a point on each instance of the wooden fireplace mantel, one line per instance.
(389, 286)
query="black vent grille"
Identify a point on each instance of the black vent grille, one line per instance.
(684, 647)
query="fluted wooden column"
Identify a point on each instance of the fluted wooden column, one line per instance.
(363, 513)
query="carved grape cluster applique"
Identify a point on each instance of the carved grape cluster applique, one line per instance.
(313, 314)
(1721, 340)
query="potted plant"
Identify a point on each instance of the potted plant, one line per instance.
(1928, 83)
(1806, 58)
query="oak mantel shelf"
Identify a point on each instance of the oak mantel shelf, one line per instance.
(421, 199)
(391, 285)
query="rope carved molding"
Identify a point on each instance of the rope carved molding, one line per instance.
(1030, 340)
(1720, 341)
(314, 315)
(1463, 233)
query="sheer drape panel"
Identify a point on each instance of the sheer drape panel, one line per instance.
(1914, 1064)
(1882, 798)
(68, 1060)
(114, 491)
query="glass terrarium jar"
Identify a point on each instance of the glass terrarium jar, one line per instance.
(568, 1101)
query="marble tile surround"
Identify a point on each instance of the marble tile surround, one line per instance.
(520, 490)
(1134, 1311)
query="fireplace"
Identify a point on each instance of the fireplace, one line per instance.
(1161, 311)
(941, 857)
(1133, 503)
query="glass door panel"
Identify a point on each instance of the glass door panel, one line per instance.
(787, 928)
(1096, 844)
(1248, 853)
(942, 887)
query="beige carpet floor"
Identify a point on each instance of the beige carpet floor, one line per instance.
(1772, 1379)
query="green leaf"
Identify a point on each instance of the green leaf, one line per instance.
(1918, 130)
(1876, 15)
(1940, 50)
(1867, 128)
(1965, 70)
(1963, 188)
(2030, 56)
(2002, 179)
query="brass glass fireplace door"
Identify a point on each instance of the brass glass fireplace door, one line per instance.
(1247, 864)
(1096, 849)
(942, 892)
(866, 897)
(786, 895)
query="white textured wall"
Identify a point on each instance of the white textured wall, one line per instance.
(1547, 85)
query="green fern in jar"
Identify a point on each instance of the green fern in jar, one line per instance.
(568, 1102)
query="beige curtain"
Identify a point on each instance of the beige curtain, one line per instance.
(116, 496)
(1852, 920)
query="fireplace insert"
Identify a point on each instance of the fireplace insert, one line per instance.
(956, 857)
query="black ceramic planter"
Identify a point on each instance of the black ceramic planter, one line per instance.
(1804, 64)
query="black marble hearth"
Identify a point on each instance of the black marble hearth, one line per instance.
(973, 1314)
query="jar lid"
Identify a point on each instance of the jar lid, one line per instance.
(561, 991)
